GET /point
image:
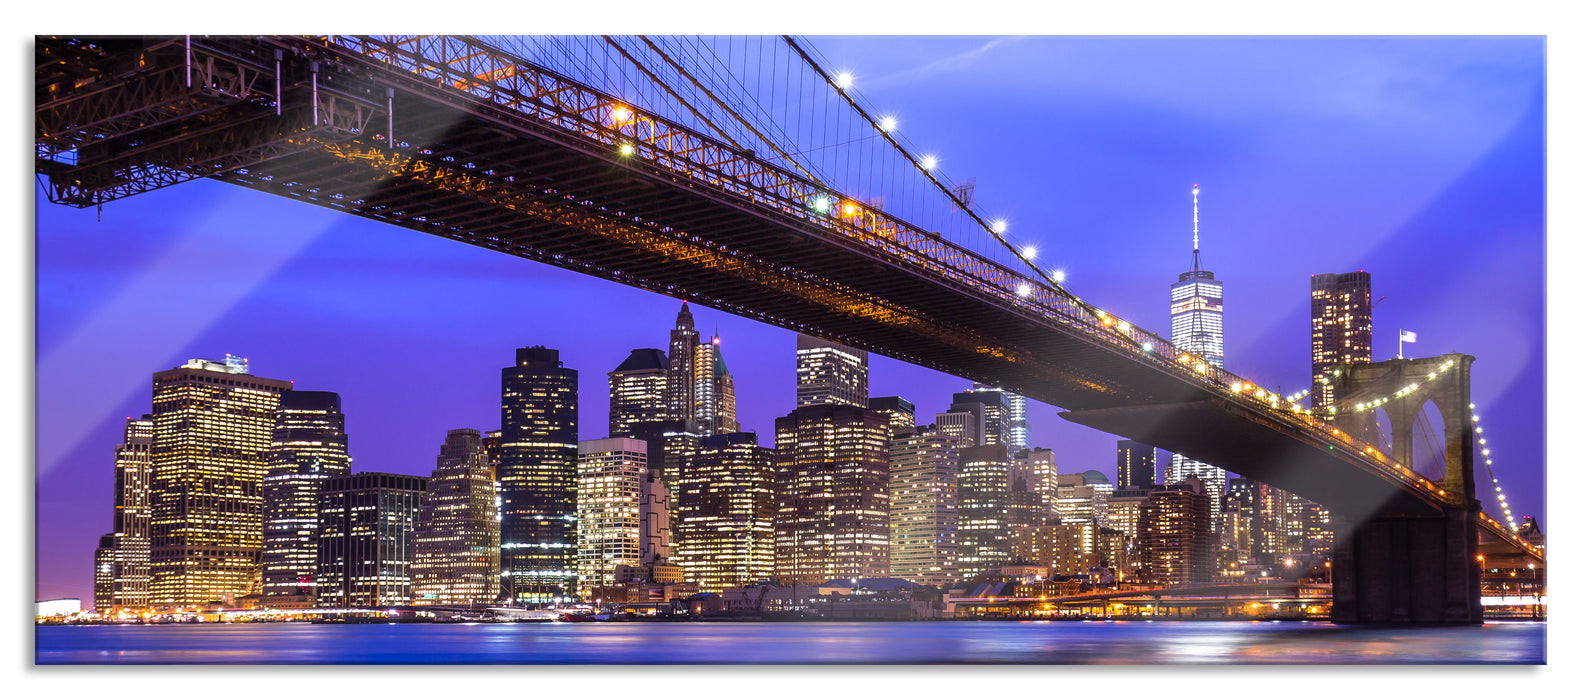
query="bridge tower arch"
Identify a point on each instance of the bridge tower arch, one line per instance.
(1451, 395)
(1395, 567)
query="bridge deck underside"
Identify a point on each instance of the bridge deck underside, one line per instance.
(511, 185)
(1225, 436)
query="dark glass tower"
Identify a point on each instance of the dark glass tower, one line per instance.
(538, 477)
(308, 447)
(680, 396)
(1135, 464)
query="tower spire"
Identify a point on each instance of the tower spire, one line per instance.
(1195, 266)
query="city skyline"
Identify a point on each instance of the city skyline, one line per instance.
(764, 360)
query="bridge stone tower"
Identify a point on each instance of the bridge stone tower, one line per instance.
(1389, 566)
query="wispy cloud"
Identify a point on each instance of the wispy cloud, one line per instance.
(946, 64)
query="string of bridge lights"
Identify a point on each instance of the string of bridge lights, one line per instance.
(1488, 465)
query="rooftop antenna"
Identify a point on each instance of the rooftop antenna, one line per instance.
(1194, 228)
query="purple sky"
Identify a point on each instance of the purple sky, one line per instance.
(1419, 160)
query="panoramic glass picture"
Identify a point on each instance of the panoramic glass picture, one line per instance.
(789, 350)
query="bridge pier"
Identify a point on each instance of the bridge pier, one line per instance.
(1407, 570)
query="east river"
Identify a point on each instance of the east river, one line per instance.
(1062, 642)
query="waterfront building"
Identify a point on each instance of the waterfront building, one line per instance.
(828, 372)
(832, 474)
(538, 477)
(1342, 306)
(984, 488)
(365, 539)
(1083, 497)
(680, 380)
(610, 474)
(714, 390)
(210, 451)
(900, 412)
(725, 513)
(1197, 327)
(1529, 531)
(121, 576)
(637, 390)
(923, 507)
(1030, 525)
(456, 540)
(308, 447)
(1177, 534)
(1134, 464)
(1076, 547)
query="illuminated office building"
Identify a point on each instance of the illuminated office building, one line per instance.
(610, 475)
(681, 379)
(210, 451)
(538, 477)
(984, 494)
(1036, 468)
(456, 540)
(725, 512)
(1177, 539)
(991, 415)
(923, 508)
(637, 390)
(1197, 326)
(307, 447)
(365, 539)
(1342, 329)
(1031, 527)
(832, 515)
(714, 390)
(121, 575)
(828, 372)
(1135, 465)
(1015, 416)
(900, 412)
(962, 427)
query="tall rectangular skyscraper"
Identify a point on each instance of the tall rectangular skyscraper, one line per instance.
(923, 508)
(828, 372)
(1135, 464)
(121, 576)
(833, 499)
(1342, 329)
(725, 512)
(213, 424)
(365, 539)
(456, 540)
(714, 389)
(610, 473)
(1197, 326)
(680, 377)
(307, 448)
(983, 485)
(538, 477)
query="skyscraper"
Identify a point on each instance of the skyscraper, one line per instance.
(610, 475)
(990, 417)
(1197, 326)
(1012, 417)
(923, 508)
(985, 491)
(307, 447)
(1036, 468)
(637, 390)
(832, 504)
(680, 379)
(902, 414)
(538, 477)
(456, 540)
(725, 512)
(1177, 538)
(1134, 464)
(714, 390)
(1342, 328)
(365, 539)
(212, 427)
(828, 372)
(124, 568)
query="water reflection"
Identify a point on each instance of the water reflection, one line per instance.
(793, 643)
